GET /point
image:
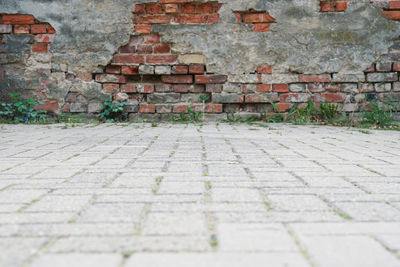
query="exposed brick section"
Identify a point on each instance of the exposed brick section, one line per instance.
(147, 108)
(17, 19)
(264, 69)
(177, 79)
(210, 79)
(181, 12)
(259, 20)
(333, 5)
(21, 24)
(315, 78)
(40, 48)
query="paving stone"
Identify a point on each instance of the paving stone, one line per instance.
(78, 260)
(175, 224)
(214, 260)
(325, 251)
(15, 251)
(254, 237)
(369, 211)
(107, 212)
(54, 203)
(297, 203)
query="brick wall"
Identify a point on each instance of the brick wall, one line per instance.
(157, 79)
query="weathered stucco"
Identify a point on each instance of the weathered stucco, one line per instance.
(301, 41)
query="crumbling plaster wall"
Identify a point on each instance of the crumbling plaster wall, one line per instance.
(303, 40)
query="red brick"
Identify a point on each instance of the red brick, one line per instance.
(147, 108)
(48, 106)
(143, 28)
(205, 8)
(395, 15)
(396, 66)
(154, 8)
(341, 6)
(139, 8)
(213, 108)
(113, 69)
(261, 27)
(162, 49)
(22, 29)
(40, 48)
(160, 59)
(128, 59)
(264, 69)
(210, 79)
(154, 19)
(257, 18)
(171, 8)
(180, 69)
(324, 78)
(50, 29)
(196, 18)
(152, 39)
(130, 70)
(179, 108)
(188, 8)
(213, 18)
(145, 49)
(281, 88)
(146, 89)
(111, 87)
(394, 4)
(327, 7)
(330, 97)
(263, 88)
(180, 88)
(128, 88)
(196, 69)
(18, 19)
(177, 79)
(87, 77)
(39, 28)
(282, 107)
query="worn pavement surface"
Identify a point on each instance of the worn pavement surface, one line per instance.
(184, 195)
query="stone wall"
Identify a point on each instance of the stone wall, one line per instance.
(164, 56)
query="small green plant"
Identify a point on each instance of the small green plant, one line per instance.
(379, 115)
(191, 116)
(306, 114)
(365, 131)
(22, 110)
(328, 111)
(154, 124)
(113, 111)
(282, 117)
(208, 185)
(204, 98)
(231, 118)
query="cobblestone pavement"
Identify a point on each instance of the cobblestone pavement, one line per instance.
(184, 195)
